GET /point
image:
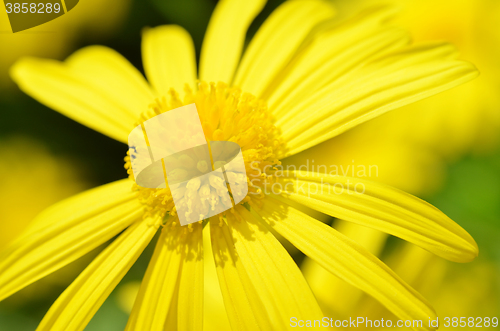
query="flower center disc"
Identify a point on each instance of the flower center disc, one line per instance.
(226, 114)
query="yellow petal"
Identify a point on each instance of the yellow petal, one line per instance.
(67, 231)
(277, 41)
(391, 82)
(334, 53)
(190, 302)
(214, 313)
(80, 301)
(95, 86)
(173, 283)
(323, 283)
(272, 271)
(169, 58)
(347, 260)
(158, 285)
(108, 71)
(224, 39)
(386, 209)
(243, 301)
(84, 205)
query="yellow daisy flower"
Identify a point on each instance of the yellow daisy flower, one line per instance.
(303, 79)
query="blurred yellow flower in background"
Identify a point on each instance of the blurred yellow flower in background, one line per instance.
(412, 145)
(56, 38)
(32, 180)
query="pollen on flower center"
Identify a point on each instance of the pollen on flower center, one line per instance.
(226, 114)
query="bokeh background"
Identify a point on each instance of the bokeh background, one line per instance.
(444, 149)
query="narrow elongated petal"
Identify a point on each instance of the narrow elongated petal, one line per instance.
(277, 41)
(334, 53)
(244, 304)
(190, 302)
(225, 37)
(80, 301)
(108, 71)
(274, 275)
(386, 209)
(67, 231)
(215, 317)
(171, 322)
(347, 260)
(84, 205)
(160, 283)
(176, 267)
(169, 58)
(95, 86)
(323, 283)
(386, 84)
